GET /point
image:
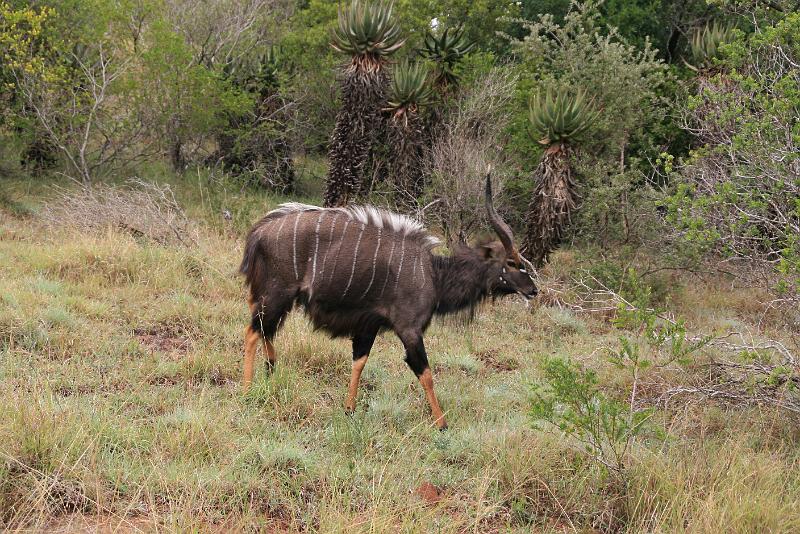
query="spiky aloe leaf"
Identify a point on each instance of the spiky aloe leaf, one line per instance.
(255, 73)
(560, 116)
(409, 88)
(367, 29)
(446, 50)
(267, 67)
(408, 91)
(706, 42)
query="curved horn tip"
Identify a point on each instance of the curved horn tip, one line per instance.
(499, 225)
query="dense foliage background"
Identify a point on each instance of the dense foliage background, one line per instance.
(678, 153)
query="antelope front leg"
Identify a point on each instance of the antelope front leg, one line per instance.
(426, 380)
(417, 360)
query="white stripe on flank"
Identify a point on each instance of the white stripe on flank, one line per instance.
(294, 246)
(336, 259)
(422, 269)
(400, 268)
(414, 272)
(388, 268)
(328, 248)
(374, 265)
(355, 258)
(316, 249)
(278, 234)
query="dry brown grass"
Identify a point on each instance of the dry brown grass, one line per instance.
(141, 209)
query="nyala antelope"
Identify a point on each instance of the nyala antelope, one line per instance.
(360, 270)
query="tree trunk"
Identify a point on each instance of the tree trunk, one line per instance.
(176, 155)
(406, 155)
(554, 199)
(363, 96)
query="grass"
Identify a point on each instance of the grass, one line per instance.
(120, 404)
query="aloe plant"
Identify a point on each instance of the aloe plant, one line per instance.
(558, 119)
(409, 93)
(251, 142)
(445, 50)
(255, 74)
(369, 34)
(705, 44)
(367, 30)
(409, 89)
(558, 116)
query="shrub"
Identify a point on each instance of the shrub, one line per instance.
(737, 194)
(144, 210)
(570, 400)
(622, 82)
(465, 147)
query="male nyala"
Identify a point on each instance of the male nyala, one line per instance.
(360, 270)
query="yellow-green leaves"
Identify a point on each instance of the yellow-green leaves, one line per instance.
(20, 30)
(409, 87)
(706, 42)
(367, 29)
(558, 116)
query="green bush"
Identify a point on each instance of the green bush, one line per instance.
(623, 83)
(737, 193)
(569, 399)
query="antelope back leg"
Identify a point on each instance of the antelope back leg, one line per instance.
(250, 343)
(417, 360)
(267, 314)
(269, 349)
(362, 344)
(269, 354)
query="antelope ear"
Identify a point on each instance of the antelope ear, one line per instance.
(490, 251)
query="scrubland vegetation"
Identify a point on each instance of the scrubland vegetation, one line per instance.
(647, 156)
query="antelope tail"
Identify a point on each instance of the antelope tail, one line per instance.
(254, 262)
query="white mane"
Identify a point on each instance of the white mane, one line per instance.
(369, 215)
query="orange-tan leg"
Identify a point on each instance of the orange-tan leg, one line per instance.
(269, 354)
(250, 344)
(417, 360)
(355, 377)
(426, 380)
(362, 345)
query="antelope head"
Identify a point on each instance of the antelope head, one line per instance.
(508, 271)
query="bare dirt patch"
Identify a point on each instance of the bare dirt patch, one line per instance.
(162, 338)
(491, 361)
(429, 493)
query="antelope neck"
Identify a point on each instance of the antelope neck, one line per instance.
(460, 282)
